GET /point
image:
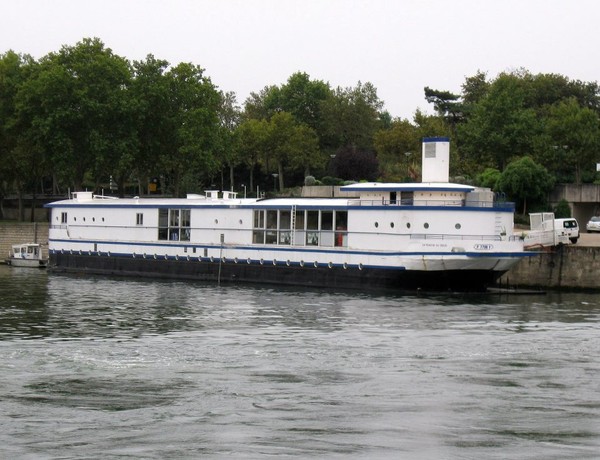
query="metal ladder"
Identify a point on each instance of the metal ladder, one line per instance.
(293, 225)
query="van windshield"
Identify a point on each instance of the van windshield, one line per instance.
(570, 223)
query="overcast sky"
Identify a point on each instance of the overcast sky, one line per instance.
(400, 46)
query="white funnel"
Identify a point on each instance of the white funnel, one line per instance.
(435, 159)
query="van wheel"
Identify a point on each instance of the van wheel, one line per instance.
(573, 240)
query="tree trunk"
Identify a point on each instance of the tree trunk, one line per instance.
(280, 177)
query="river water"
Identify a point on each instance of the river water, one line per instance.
(94, 367)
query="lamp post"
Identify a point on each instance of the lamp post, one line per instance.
(244, 190)
(275, 176)
(407, 155)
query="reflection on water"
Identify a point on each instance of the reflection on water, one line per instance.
(110, 368)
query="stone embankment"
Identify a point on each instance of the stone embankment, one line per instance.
(572, 267)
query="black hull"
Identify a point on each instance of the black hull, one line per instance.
(293, 275)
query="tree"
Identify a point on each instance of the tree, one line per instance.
(489, 178)
(574, 137)
(396, 149)
(292, 144)
(155, 132)
(193, 116)
(351, 117)
(252, 135)
(20, 163)
(501, 126)
(77, 105)
(526, 181)
(355, 164)
(229, 118)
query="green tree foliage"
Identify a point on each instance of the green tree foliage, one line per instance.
(151, 95)
(562, 210)
(352, 117)
(18, 163)
(192, 114)
(396, 149)
(489, 178)
(252, 135)
(526, 181)
(501, 126)
(573, 138)
(352, 163)
(77, 101)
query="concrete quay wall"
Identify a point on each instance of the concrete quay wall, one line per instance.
(569, 267)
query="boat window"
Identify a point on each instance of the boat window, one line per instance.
(259, 219)
(312, 220)
(341, 228)
(174, 224)
(63, 217)
(326, 220)
(271, 219)
(139, 219)
(285, 220)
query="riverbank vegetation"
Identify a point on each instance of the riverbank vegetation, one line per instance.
(85, 118)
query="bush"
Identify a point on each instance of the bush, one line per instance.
(562, 210)
(310, 180)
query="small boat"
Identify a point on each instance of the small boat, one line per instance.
(27, 255)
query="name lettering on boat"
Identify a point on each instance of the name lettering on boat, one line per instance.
(484, 247)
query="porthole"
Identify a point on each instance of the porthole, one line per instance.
(93, 219)
(408, 225)
(176, 257)
(376, 224)
(84, 219)
(235, 260)
(274, 261)
(360, 266)
(287, 262)
(223, 259)
(457, 226)
(392, 224)
(330, 264)
(262, 261)
(426, 225)
(166, 257)
(188, 257)
(133, 255)
(154, 256)
(241, 222)
(103, 219)
(216, 221)
(211, 258)
(316, 264)
(248, 261)
(345, 265)
(302, 263)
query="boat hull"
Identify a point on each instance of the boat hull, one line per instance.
(282, 273)
(28, 263)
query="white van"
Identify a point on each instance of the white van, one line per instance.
(568, 227)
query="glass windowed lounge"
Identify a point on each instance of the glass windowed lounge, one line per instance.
(324, 227)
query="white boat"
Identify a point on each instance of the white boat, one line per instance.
(433, 235)
(27, 255)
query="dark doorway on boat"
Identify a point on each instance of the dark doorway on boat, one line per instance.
(392, 197)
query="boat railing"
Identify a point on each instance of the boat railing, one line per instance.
(441, 236)
(430, 203)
